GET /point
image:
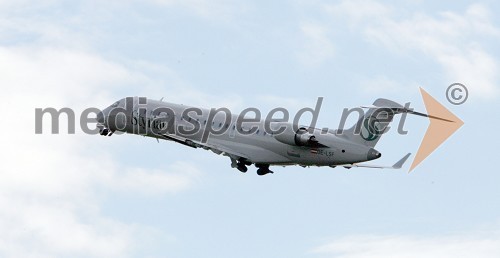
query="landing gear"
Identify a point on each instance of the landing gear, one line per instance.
(106, 132)
(263, 169)
(242, 168)
(241, 165)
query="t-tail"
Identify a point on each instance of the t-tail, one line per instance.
(374, 123)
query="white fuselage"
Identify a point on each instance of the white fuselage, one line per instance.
(260, 147)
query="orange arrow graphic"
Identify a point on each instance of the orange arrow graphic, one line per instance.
(438, 130)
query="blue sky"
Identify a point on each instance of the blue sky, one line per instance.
(128, 196)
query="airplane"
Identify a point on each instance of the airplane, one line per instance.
(259, 142)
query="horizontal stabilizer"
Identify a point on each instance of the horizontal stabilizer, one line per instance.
(399, 110)
(401, 162)
(396, 165)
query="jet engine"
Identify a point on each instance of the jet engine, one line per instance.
(299, 138)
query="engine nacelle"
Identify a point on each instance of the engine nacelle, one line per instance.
(300, 138)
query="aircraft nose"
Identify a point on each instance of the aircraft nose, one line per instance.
(100, 117)
(373, 154)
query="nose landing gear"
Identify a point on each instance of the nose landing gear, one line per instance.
(105, 131)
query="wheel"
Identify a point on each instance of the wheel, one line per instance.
(104, 132)
(242, 168)
(264, 171)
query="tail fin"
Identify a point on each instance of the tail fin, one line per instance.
(369, 128)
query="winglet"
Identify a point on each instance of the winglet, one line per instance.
(402, 161)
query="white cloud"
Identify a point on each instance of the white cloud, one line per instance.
(380, 84)
(473, 244)
(49, 202)
(286, 102)
(212, 9)
(33, 226)
(453, 40)
(317, 46)
(359, 10)
(175, 178)
(51, 185)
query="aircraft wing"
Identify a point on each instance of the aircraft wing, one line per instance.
(217, 149)
(397, 165)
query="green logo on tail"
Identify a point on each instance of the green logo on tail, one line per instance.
(371, 129)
